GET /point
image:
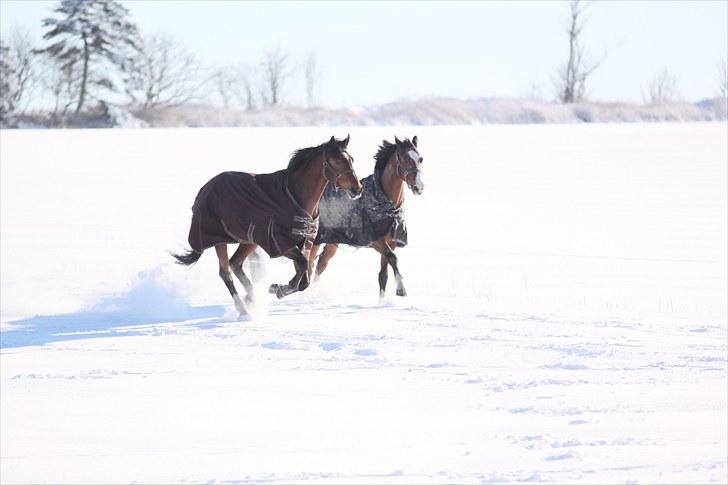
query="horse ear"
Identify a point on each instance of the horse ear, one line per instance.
(346, 140)
(414, 141)
(332, 140)
(396, 140)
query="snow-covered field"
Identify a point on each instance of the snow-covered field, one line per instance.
(566, 321)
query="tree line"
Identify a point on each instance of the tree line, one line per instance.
(95, 55)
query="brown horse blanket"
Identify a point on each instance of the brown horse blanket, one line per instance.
(362, 221)
(239, 207)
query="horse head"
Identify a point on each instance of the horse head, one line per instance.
(339, 169)
(409, 164)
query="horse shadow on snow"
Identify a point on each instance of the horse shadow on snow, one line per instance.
(138, 312)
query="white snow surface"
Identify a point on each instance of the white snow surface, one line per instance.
(566, 317)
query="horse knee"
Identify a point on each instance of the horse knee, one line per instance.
(392, 259)
(225, 274)
(237, 271)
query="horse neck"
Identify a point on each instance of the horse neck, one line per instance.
(391, 183)
(307, 184)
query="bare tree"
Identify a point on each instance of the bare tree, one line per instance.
(225, 85)
(571, 77)
(276, 73)
(7, 82)
(663, 88)
(22, 56)
(723, 77)
(246, 75)
(235, 86)
(62, 80)
(312, 73)
(533, 91)
(165, 74)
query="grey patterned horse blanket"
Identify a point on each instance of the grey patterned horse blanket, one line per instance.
(362, 221)
(239, 207)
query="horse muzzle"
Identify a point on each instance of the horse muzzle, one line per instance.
(418, 187)
(355, 193)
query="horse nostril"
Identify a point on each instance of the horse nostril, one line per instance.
(355, 193)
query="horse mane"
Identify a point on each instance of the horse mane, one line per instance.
(385, 151)
(301, 157)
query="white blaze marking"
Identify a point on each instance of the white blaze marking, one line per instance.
(414, 156)
(418, 181)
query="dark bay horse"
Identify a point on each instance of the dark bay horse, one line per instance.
(277, 211)
(376, 219)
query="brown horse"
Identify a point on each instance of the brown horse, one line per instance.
(276, 211)
(376, 219)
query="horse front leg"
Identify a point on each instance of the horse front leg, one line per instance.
(386, 249)
(300, 280)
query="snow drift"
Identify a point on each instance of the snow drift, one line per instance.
(423, 112)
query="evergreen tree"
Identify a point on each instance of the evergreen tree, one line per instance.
(98, 35)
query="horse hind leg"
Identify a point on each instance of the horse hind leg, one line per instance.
(323, 261)
(236, 264)
(256, 267)
(222, 257)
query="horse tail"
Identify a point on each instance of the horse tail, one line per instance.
(188, 258)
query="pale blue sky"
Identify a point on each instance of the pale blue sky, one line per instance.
(373, 52)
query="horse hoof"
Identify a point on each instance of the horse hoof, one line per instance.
(401, 292)
(277, 290)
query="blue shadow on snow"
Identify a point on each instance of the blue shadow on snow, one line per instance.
(147, 303)
(44, 329)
